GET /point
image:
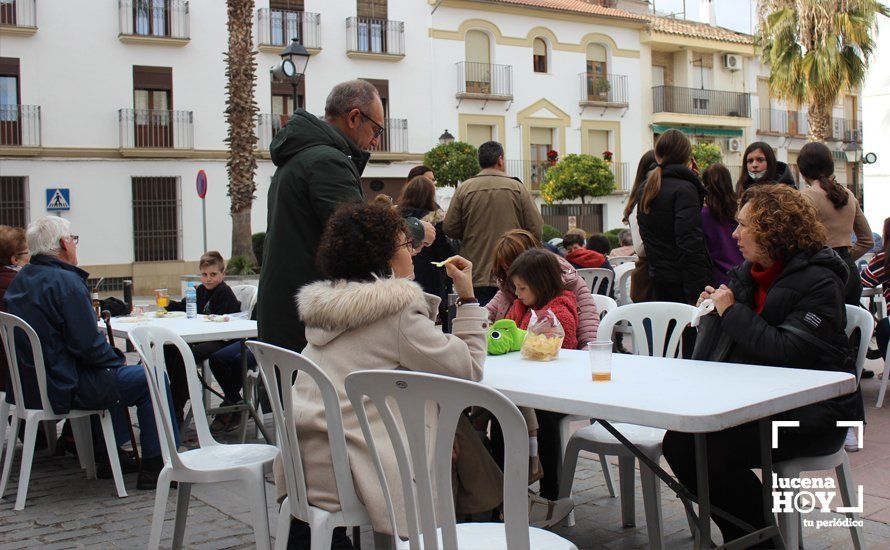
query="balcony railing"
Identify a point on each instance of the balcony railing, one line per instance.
(603, 89)
(484, 80)
(154, 18)
(844, 129)
(18, 13)
(151, 128)
(367, 35)
(395, 138)
(694, 101)
(267, 126)
(279, 27)
(20, 125)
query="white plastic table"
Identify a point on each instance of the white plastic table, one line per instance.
(674, 394)
(201, 330)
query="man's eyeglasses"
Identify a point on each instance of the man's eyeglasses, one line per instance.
(74, 238)
(378, 129)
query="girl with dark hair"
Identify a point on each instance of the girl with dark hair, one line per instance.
(838, 210)
(669, 214)
(761, 166)
(878, 273)
(421, 170)
(418, 199)
(718, 222)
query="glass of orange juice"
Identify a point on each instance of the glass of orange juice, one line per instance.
(162, 298)
(600, 360)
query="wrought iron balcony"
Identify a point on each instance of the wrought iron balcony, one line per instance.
(21, 15)
(694, 101)
(603, 90)
(278, 27)
(395, 138)
(844, 129)
(366, 35)
(484, 81)
(20, 125)
(154, 18)
(156, 129)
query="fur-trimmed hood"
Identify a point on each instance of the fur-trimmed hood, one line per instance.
(329, 308)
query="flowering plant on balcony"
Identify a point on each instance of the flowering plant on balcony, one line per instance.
(607, 156)
(552, 155)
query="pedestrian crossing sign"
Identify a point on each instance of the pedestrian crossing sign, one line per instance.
(58, 200)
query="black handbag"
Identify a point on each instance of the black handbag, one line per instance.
(115, 306)
(96, 389)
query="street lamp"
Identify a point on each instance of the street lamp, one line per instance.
(853, 152)
(294, 60)
(445, 138)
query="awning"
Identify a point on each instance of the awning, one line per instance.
(699, 130)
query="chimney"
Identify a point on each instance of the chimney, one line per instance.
(706, 12)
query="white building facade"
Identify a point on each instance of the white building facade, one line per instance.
(123, 104)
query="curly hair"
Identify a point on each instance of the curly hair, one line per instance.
(358, 242)
(784, 222)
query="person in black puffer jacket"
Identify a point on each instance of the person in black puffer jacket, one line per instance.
(418, 199)
(762, 167)
(669, 218)
(784, 306)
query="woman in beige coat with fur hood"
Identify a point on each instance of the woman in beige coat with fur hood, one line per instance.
(368, 314)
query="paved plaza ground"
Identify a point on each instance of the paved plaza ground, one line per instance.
(65, 510)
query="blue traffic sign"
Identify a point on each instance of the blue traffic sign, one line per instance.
(58, 200)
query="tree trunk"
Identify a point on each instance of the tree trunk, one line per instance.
(819, 117)
(241, 111)
(241, 235)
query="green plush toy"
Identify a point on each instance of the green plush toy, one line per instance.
(504, 336)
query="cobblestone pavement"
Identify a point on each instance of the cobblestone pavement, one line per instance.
(65, 510)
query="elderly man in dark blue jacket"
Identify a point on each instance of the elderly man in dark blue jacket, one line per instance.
(52, 296)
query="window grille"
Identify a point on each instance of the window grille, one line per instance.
(14, 201)
(157, 232)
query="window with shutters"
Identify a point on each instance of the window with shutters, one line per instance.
(14, 201)
(478, 64)
(283, 102)
(539, 48)
(156, 219)
(477, 134)
(10, 103)
(152, 105)
(371, 25)
(541, 141)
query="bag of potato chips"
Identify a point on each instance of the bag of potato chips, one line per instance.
(544, 337)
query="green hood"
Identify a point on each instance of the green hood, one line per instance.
(305, 130)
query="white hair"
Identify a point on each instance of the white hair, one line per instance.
(45, 233)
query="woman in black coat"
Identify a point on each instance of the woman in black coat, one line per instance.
(418, 199)
(784, 306)
(669, 217)
(761, 167)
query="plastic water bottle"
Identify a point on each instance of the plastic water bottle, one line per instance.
(191, 302)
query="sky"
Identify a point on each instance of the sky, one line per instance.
(732, 14)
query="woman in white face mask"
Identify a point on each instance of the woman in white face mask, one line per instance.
(761, 166)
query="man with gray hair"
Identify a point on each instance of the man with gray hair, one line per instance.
(83, 371)
(320, 163)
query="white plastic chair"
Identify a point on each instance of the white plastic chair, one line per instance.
(405, 395)
(789, 524)
(622, 283)
(596, 277)
(79, 419)
(615, 261)
(211, 462)
(278, 364)
(667, 322)
(604, 304)
(246, 295)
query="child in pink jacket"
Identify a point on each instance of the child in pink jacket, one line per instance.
(506, 250)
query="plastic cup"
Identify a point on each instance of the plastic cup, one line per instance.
(162, 297)
(600, 360)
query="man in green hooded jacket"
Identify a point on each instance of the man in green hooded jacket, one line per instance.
(320, 163)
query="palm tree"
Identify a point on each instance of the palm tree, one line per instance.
(816, 50)
(241, 111)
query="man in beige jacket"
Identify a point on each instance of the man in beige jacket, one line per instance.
(482, 209)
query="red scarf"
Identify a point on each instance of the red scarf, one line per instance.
(764, 279)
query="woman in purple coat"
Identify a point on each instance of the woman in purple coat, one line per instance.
(718, 222)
